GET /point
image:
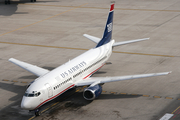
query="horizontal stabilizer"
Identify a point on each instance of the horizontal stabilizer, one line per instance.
(127, 42)
(99, 80)
(92, 38)
(31, 68)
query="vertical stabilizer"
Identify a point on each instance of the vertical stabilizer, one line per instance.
(108, 28)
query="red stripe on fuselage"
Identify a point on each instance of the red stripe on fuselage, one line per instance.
(54, 96)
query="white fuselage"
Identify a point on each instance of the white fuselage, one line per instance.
(59, 80)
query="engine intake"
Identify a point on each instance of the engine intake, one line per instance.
(93, 92)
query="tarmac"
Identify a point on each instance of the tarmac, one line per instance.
(50, 33)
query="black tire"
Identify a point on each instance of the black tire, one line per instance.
(37, 112)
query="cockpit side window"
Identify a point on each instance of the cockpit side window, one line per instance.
(37, 94)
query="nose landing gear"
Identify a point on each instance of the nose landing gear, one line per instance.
(7, 2)
(33, 0)
(37, 112)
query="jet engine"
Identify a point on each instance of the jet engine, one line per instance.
(92, 92)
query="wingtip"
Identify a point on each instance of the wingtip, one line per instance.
(146, 38)
(169, 72)
(10, 59)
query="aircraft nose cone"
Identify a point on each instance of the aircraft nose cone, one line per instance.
(25, 104)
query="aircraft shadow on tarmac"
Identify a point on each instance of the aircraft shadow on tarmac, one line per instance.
(100, 72)
(19, 90)
(49, 68)
(70, 100)
(13, 111)
(28, 77)
(10, 9)
(117, 96)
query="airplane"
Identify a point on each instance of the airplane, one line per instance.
(75, 73)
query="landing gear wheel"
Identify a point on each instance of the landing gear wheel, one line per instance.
(7, 2)
(37, 112)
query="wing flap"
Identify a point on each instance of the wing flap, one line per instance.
(31, 68)
(98, 80)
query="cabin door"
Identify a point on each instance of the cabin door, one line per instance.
(49, 90)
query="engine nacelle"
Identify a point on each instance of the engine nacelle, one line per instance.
(93, 92)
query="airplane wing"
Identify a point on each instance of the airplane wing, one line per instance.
(92, 81)
(31, 68)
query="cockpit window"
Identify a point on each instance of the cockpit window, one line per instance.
(32, 94)
(26, 94)
(37, 94)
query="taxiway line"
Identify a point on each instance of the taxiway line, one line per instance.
(175, 110)
(144, 54)
(135, 9)
(106, 8)
(36, 45)
(157, 96)
(168, 98)
(31, 118)
(135, 94)
(43, 19)
(146, 95)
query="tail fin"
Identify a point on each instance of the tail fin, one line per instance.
(108, 28)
